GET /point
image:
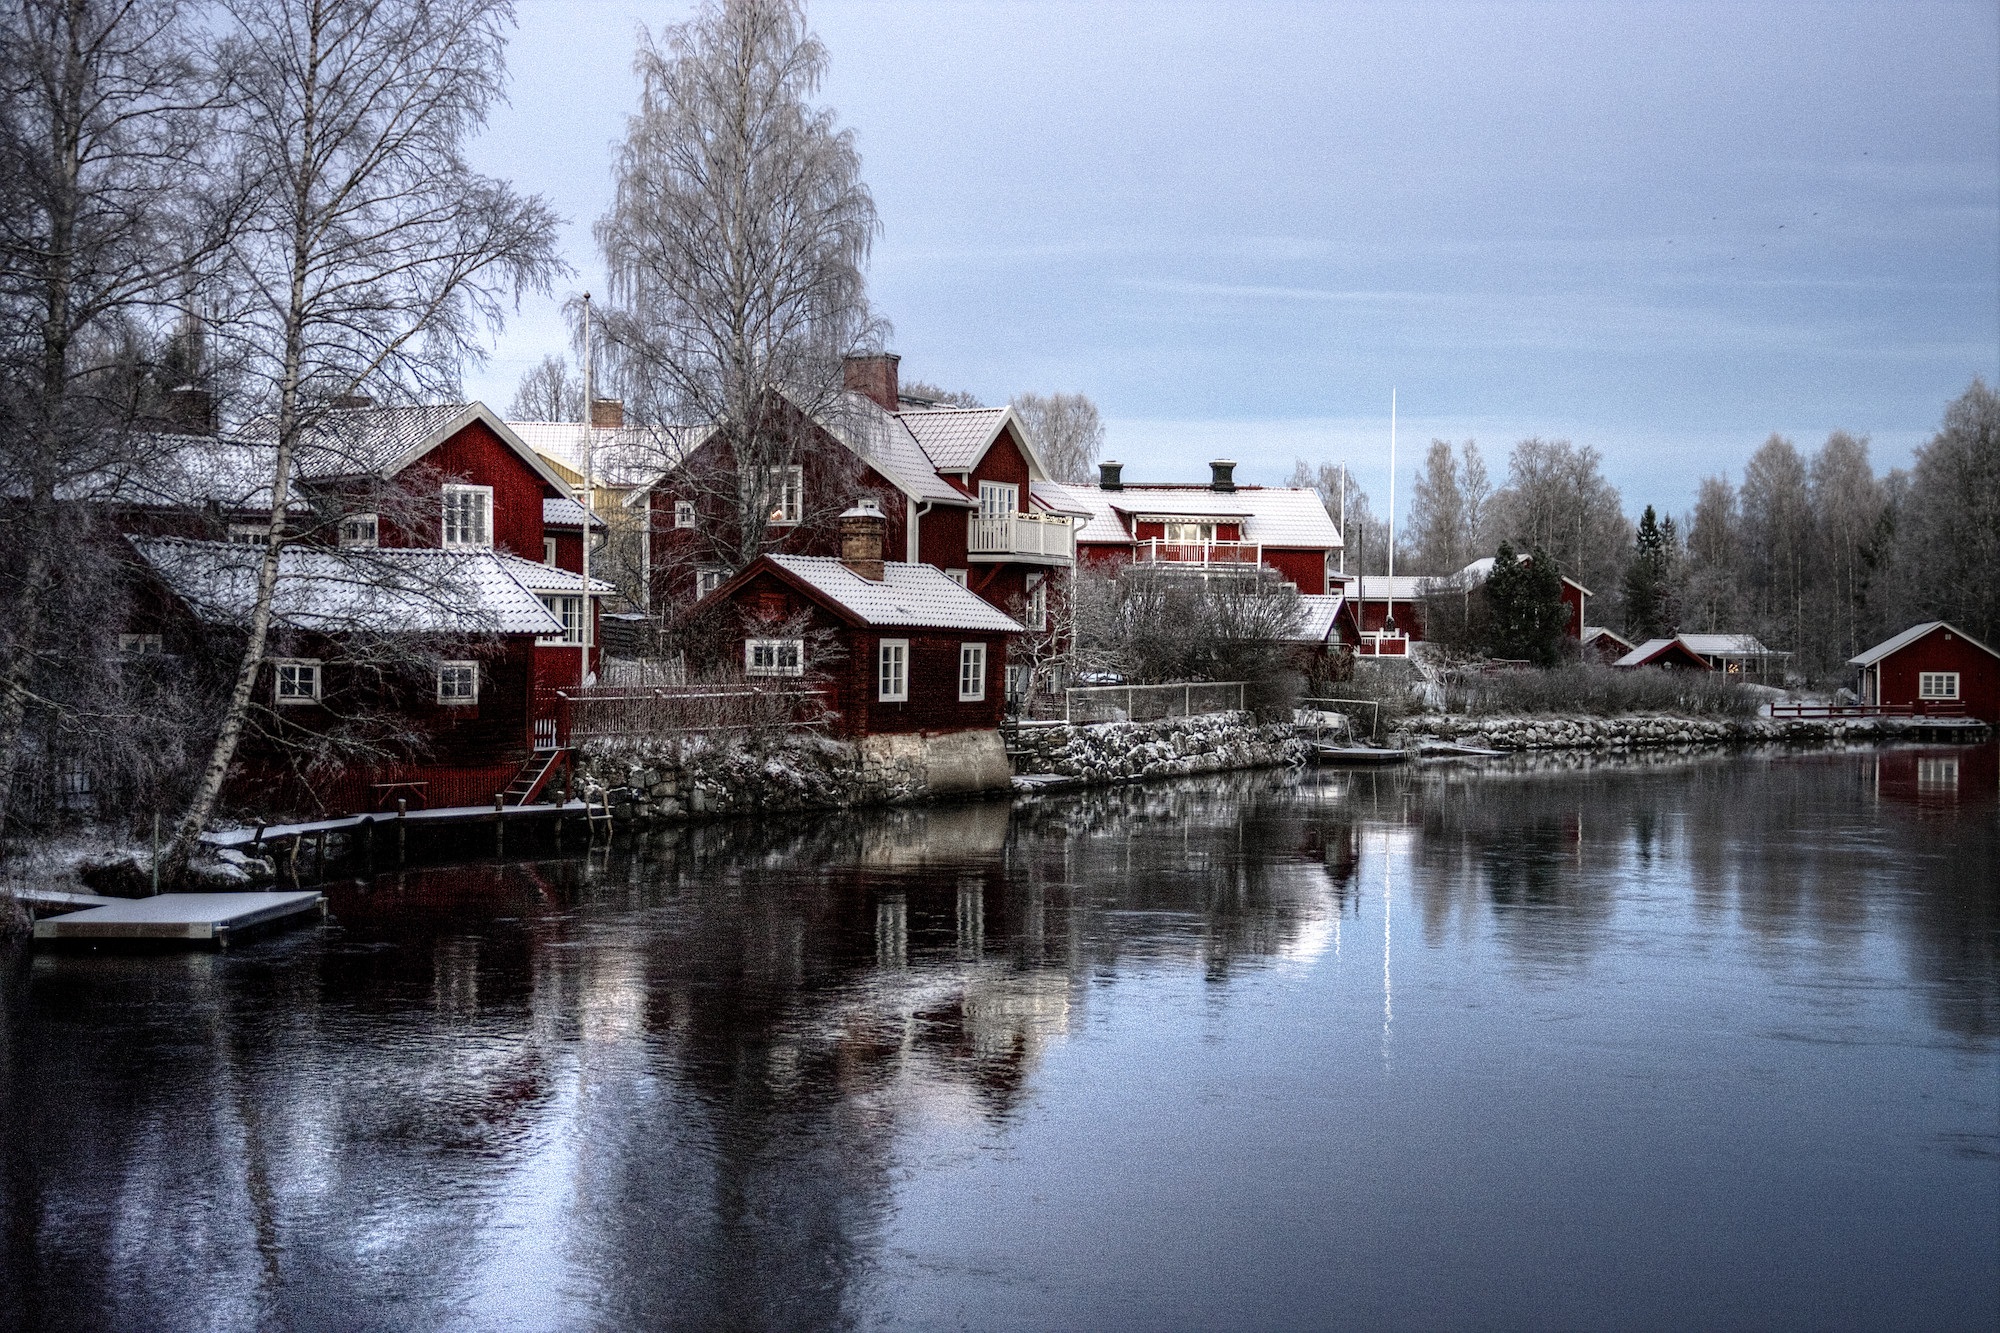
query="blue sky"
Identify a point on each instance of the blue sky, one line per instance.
(1661, 230)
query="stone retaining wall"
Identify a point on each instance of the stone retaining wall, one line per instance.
(1613, 733)
(1126, 751)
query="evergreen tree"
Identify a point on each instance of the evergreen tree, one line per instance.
(1524, 600)
(1649, 591)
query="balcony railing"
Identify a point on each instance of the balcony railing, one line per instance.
(1048, 535)
(1226, 555)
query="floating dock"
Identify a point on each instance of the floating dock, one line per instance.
(194, 918)
(1359, 754)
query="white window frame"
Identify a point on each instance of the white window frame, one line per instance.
(774, 657)
(280, 666)
(140, 645)
(892, 671)
(1937, 685)
(957, 576)
(549, 551)
(352, 538)
(569, 609)
(457, 534)
(1037, 616)
(788, 484)
(1189, 533)
(249, 534)
(449, 676)
(971, 673)
(707, 579)
(683, 513)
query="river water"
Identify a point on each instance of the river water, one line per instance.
(1687, 1041)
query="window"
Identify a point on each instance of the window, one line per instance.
(683, 513)
(1018, 680)
(468, 516)
(569, 610)
(139, 645)
(893, 670)
(249, 534)
(359, 530)
(1203, 533)
(956, 576)
(971, 672)
(787, 489)
(458, 682)
(548, 550)
(707, 581)
(998, 500)
(298, 681)
(774, 657)
(1038, 604)
(1937, 685)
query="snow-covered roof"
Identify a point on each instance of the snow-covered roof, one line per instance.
(621, 457)
(1278, 516)
(1055, 498)
(886, 444)
(1482, 569)
(1725, 645)
(1382, 588)
(379, 590)
(955, 438)
(564, 514)
(1592, 633)
(538, 577)
(362, 441)
(1896, 643)
(1651, 649)
(187, 472)
(909, 596)
(1320, 613)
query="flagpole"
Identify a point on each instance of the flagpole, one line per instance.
(589, 430)
(1389, 617)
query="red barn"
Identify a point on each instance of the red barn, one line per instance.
(904, 649)
(1932, 668)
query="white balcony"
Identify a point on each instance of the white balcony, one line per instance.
(1043, 539)
(1201, 555)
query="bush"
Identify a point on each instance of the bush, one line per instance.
(1604, 691)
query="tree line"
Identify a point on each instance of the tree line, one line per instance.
(1814, 553)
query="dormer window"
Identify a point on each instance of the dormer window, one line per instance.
(1191, 532)
(683, 513)
(468, 517)
(359, 530)
(787, 491)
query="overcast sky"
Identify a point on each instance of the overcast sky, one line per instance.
(1661, 230)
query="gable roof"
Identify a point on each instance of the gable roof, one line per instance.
(1592, 633)
(1896, 643)
(885, 443)
(1056, 498)
(621, 457)
(187, 472)
(565, 514)
(1727, 645)
(1652, 650)
(332, 591)
(1481, 570)
(956, 438)
(1321, 612)
(909, 596)
(1278, 516)
(538, 578)
(382, 441)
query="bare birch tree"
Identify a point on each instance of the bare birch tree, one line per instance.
(1065, 431)
(736, 247)
(1558, 500)
(1447, 509)
(549, 392)
(102, 210)
(378, 256)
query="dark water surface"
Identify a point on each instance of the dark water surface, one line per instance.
(1694, 1042)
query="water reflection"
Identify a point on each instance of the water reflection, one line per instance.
(689, 1080)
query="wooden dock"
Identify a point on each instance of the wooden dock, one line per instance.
(194, 918)
(386, 822)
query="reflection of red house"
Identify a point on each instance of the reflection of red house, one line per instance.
(1931, 668)
(901, 647)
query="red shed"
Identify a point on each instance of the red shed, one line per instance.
(915, 651)
(1932, 668)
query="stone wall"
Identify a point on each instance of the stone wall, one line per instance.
(1126, 751)
(1613, 733)
(664, 783)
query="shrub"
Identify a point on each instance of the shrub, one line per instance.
(1604, 691)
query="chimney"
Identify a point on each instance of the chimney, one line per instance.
(873, 376)
(607, 413)
(191, 411)
(862, 530)
(1222, 475)
(1108, 478)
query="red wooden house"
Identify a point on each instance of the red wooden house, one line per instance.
(1932, 668)
(1385, 615)
(1673, 654)
(900, 647)
(1218, 528)
(960, 489)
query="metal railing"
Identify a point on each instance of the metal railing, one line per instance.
(603, 712)
(1227, 555)
(1020, 534)
(1342, 706)
(1150, 703)
(1922, 708)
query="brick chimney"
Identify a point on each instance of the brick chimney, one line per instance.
(873, 376)
(1222, 475)
(862, 532)
(190, 410)
(1108, 478)
(607, 412)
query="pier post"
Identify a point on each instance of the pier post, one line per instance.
(499, 825)
(402, 843)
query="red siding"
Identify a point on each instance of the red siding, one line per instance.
(1004, 463)
(1943, 649)
(476, 457)
(1306, 569)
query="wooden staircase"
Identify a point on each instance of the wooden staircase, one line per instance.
(534, 774)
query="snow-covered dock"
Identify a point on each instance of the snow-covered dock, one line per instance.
(386, 822)
(199, 918)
